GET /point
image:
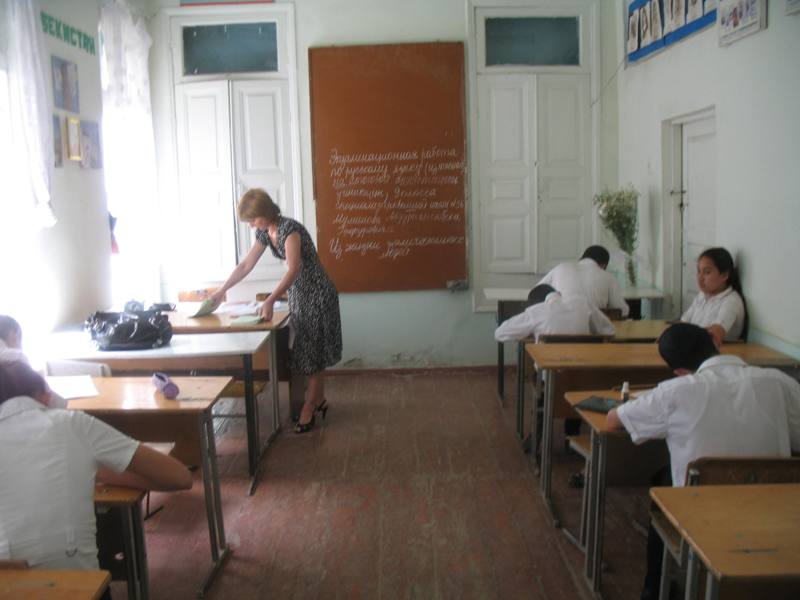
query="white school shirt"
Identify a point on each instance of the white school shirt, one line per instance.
(573, 315)
(725, 309)
(48, 460)
(587, 278)
(726, 408)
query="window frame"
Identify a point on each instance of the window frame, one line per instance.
(483, 13)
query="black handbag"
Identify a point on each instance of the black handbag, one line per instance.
(129, 330)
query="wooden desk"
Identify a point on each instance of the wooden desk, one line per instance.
(25, 584)
(222, 322)
(127, 503)
(575, 367)
(742, 534)
(209, 353)
(638, 331)
(640, 463)
(135, 407)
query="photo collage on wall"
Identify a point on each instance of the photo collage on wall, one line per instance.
(655, 24)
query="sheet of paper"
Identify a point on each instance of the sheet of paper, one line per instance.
(206, 308)
(72, 386)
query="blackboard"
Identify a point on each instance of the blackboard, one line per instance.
(389, 160)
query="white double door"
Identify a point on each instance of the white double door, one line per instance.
(231, 136)
(535, 170)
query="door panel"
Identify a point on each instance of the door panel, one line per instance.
(262, 157)
(564, 172)
(204, 173)
(699, 164)
(506, 123)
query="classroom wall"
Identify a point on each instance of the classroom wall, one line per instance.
(754, 86)
(76, 251)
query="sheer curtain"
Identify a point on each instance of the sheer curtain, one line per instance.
(26, 168)
(129, 152)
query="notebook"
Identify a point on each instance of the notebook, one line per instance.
(246, 320)
(206, 308)
(598, 404)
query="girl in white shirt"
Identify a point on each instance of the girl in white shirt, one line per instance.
(720, 306)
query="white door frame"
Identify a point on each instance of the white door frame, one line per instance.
(672, 156)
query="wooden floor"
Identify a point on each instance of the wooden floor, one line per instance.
(414, 487)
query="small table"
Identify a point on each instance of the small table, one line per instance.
(575, 367)
(649, 457)
(128, 502)
(24, 584)
(135, 407)
(741, 533)
(202, 352)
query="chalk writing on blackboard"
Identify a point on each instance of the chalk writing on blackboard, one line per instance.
(384, 194)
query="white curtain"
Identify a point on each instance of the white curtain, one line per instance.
(129, 152)
(27, 124)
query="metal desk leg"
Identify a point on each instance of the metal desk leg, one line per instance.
(133, 544)
(595, 567)
(251, 413)
(213, 497)
(500, 360)
(547, 444)
(692, 573)
(521, 390)
(537, 389)
(143, 577)
(712, 587)
(273, 379)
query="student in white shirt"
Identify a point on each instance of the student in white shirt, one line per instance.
(554, 313)
(720, 306)
(718, 406)
(10, 340)
(48, 462)
(589, 278)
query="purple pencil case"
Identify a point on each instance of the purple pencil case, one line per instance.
(165, 385)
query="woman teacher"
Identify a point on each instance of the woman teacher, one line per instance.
(313, 299)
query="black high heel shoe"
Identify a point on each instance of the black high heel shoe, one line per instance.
(304, 427)
(322, 408)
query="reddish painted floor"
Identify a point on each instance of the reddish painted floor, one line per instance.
(414, 487)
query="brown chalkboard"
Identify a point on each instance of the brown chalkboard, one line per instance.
(389, 158)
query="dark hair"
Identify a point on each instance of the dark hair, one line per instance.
(686, 346)
(539, 293)
(8, 325)
(598, 254)
(18, 379)
(723, 261)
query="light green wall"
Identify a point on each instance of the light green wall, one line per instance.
(754, 87)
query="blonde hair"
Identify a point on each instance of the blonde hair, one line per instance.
(257, 203)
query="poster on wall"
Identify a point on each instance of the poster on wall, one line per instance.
(633, 31)
(656, 29)
(65, 85)
(709, 5)
(73, 138)
(58, 144)
(738, 18)
(677, 13)
(644, 26)
(91, 155)
(694, 10)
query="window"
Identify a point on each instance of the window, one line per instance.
(230, 48)
(532, 41)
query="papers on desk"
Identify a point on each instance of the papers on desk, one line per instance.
(206, 308)
(72, 386)
(246, 320)
(238, 309)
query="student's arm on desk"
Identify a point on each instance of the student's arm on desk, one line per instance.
(149, 470)
(612, 420)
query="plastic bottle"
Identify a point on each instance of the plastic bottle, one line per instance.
(625, 394)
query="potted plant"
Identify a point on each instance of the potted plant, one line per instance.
(618, 213)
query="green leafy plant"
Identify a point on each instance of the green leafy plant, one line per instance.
(618, 213)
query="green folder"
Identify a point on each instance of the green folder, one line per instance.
(246, 320)
(597, 404)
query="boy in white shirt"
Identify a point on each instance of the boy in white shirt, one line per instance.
(588, 277)
(718, 406)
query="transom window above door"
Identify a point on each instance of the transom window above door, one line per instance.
(230, 48)
(532, 41)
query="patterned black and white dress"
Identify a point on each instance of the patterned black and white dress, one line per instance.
(313, 304)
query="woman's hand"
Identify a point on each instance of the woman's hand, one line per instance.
(217, 297)
(266, 310)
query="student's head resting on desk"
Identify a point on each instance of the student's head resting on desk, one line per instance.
(684, 347)
(10, 332)
(18, 379)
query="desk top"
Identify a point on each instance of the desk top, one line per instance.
(638, 356)
(24, 584)
(738, 531)
(116, 495)
(77, 345)
(182, 322)
(522, 294)
(139, 395)
(595, 420)
(631, 330)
